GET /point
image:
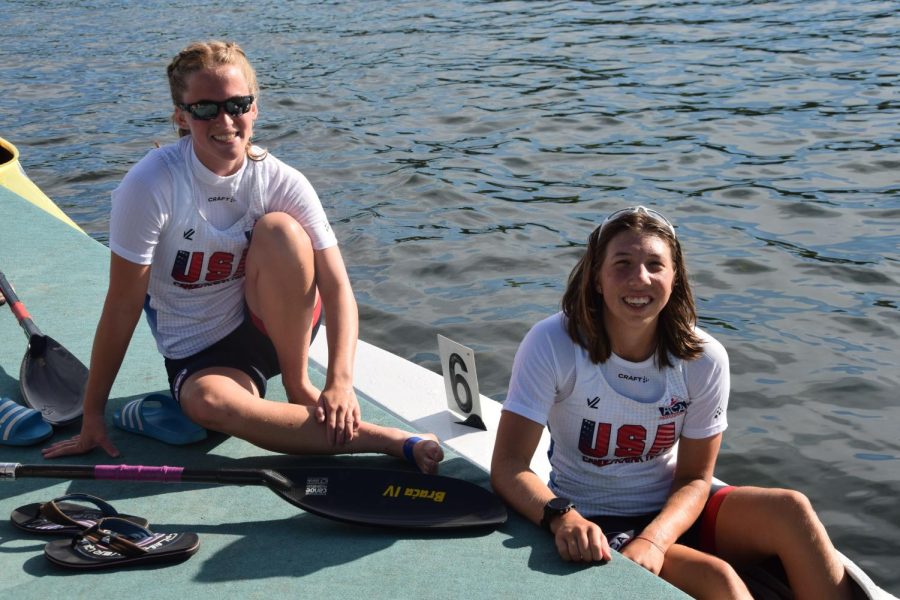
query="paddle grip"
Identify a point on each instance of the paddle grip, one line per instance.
(19, 310)
(183, 475)
(138, 473)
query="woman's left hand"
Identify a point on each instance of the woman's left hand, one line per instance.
(338, 409)
(645, 553)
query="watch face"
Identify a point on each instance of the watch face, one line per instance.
(554, 508)
(560, 504)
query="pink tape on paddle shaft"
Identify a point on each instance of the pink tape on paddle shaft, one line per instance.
(138, 473)
(20, 311)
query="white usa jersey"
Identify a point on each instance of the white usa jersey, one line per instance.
(613, 454)
(193, 227)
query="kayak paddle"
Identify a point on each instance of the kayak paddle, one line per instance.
(51, 378)
(357, 495)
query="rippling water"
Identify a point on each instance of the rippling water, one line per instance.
(465, 149)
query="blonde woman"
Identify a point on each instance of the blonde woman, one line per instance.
(229, 253)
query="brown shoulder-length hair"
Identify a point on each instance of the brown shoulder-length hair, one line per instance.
(583, 305)
(209, 55)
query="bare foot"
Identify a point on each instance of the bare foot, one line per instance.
(428, 453)
(308, 395)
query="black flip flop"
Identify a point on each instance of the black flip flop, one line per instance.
(115, 542)
(58, 517)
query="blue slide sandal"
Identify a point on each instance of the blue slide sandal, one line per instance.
(158, 416)
(20, 425)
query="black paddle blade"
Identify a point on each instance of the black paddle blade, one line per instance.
(52, 381)
(387, 498)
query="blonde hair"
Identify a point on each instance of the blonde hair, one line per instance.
(583, 305)
(208, 55)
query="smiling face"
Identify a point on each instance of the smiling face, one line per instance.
(636, 279)
(630, 294)
(221, 143)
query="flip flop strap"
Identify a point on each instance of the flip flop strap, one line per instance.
(53, 513)
(49, 511)
(111, 540)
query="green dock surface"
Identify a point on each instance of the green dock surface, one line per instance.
(253, 543)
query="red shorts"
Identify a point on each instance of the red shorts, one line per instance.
(708, 519)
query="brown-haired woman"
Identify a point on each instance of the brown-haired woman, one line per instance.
(230, 254)
(635, 397)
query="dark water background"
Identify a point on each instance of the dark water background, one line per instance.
(465, 149)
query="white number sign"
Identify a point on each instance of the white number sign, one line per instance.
(460, 381)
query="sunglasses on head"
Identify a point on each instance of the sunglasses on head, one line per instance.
(207, 110)
(635, 210)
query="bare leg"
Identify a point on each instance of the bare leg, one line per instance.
(226, 400)
(754, 523)
(702, 575)
(280, 288)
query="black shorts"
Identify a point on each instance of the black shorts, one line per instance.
(700, 536)
(247, 348)
(621, 530)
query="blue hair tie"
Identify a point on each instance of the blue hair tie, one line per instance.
(408, 448)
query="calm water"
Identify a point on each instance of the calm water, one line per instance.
(465, 149)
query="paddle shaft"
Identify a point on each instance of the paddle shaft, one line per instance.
(36, 339)
(161, 474)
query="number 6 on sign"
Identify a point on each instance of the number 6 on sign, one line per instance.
(461, 382)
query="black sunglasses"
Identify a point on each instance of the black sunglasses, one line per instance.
(207, 110)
